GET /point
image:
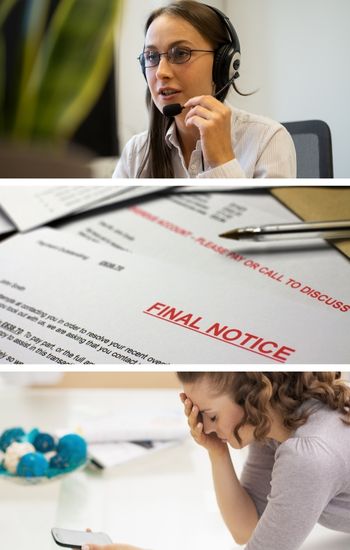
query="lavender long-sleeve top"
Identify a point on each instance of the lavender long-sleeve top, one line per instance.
(300, 482)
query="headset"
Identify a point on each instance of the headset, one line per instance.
(227, 58)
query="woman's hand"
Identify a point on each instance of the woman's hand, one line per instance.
(108, 546)
(213, 120)
(210, 442)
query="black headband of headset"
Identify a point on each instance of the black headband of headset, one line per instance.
(229, 27)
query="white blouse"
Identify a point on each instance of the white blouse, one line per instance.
(263, 149)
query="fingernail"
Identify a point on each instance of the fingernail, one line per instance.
(85, 547)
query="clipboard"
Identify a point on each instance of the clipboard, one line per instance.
(318, 203)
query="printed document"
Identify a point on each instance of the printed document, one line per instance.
(183, 229)
(65, 300)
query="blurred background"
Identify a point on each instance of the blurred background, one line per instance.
(293, 53)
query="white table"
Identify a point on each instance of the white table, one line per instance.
(164, 501)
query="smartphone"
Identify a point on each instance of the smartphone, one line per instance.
(76, 539)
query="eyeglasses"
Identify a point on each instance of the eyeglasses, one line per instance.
(176, 55)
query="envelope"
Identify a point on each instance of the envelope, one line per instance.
(318, 204)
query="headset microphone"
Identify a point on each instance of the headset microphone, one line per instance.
(175, 109)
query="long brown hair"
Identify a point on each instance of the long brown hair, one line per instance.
(156, 161)
(285, 392)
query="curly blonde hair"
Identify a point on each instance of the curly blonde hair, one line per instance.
(284, 392)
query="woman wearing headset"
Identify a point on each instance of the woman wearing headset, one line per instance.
(297, 428)
(191, 58)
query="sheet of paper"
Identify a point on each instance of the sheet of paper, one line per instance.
(109, 455)
(31, 206)
(184, 229)
(64, 300)
(135, 425)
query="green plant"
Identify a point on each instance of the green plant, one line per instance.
(63, 64)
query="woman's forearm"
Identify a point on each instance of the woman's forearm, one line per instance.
(236, 506)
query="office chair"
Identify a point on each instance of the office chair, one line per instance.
(313, 145)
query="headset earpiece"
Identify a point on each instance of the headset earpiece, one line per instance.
(227, 57)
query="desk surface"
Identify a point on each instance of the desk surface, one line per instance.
(155, 502)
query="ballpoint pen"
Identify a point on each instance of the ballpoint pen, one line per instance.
(283, 231)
